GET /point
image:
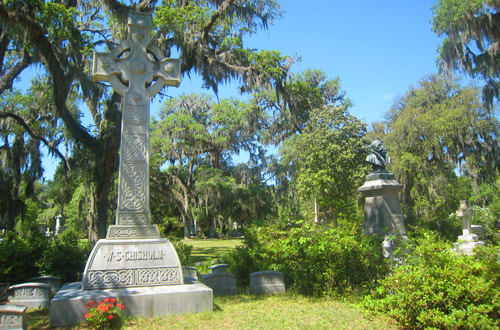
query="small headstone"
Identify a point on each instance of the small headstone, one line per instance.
(53, 281)
(13, 317)
(220, 268)
(221, 283)
(31, 295)
(190, 275)
(267, 282)
(468, 240)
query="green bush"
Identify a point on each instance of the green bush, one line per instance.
(64, 257)
(18, 256)
(315, 260)
(183, 251)
(26, 256)
(436, 288)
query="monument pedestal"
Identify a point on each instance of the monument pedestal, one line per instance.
(144, 274)
(381, 205)
(68, 305)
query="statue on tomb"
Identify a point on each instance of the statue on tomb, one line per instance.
(378, 157)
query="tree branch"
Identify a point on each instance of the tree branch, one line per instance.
(25, 125)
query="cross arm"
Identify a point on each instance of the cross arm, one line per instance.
(106, 68)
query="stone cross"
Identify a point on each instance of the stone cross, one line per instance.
(137, 71)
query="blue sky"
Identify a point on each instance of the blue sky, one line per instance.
(377, 48)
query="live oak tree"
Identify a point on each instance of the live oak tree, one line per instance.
(436, 129)
(59, 37)
(471, 31)
(325, 157)
(193, 142)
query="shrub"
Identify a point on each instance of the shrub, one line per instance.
(315, 260)
(183, 251)
(18, 256)
(106, 314)
(439, 289)
(64, 257)
(26, 256)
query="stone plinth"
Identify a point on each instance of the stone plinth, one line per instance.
(13, 317)
(267, 282)
(68, 305)
(132, 263)
(381, 205)
(31, 295)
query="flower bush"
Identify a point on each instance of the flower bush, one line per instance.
(107, 314)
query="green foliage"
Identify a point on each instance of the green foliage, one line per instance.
(32, 254)
(183, 251)
(19, 255)
(469, 30)
(438, 289)
(434, 130)
(315, 260)
(64, 257)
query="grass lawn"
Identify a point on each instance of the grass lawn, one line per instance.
(206, 250)
(256, 312)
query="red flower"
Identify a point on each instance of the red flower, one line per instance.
(120, 306)
(113, 300)
(90, 304)
(87, 315)
(110, 316)
(107, 299)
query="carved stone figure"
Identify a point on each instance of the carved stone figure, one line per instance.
(378, 157)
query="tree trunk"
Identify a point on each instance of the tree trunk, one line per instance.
(106, 166)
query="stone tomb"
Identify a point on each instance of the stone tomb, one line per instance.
(13, 317)
(267, 282)
(31, 295)
(133, 263)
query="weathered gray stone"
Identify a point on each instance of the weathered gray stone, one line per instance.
(220, 268)
(13, 317)
(31, 295)
(53, 281)
(221, 283)
(68, 305)
(190, 275)
(381, 205)
(132, 263)
(267, 282)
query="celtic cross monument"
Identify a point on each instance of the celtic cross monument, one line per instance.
(133, 263)
(137, 71)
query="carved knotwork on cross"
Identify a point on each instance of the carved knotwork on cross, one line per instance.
(136, 70)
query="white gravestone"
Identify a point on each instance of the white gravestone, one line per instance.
(468, 240)
(134, 262)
